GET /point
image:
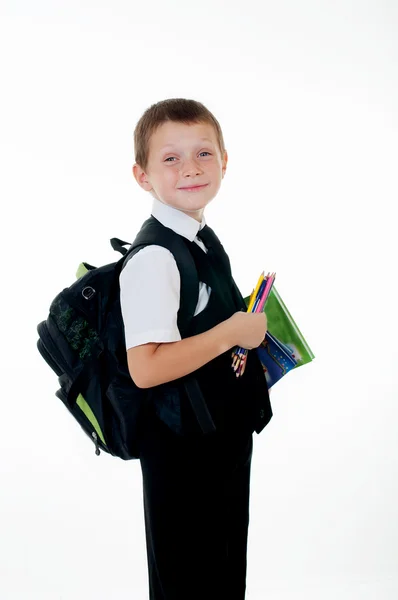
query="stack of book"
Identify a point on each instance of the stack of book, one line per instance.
(284, 347)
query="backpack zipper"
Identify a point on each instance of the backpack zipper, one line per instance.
(97, 450)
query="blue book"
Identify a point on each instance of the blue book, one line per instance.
(276, 359)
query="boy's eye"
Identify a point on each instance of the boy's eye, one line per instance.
(204, 152)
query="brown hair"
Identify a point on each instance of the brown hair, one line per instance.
(179, 110)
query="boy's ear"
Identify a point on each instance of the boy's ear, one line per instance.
(141, 177)
(224, 163)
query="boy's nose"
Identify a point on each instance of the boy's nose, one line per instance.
(191, 172)
(191, 167)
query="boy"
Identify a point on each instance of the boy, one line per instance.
(196, 486)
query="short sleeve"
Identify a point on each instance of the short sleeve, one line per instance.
(150, 297)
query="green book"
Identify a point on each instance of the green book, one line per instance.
(283, 327)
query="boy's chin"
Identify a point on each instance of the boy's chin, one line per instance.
(189, 207)
(194, 208)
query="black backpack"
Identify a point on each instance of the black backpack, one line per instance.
(83, 341)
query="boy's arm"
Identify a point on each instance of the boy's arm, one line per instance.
(153, 364)
(149, 299)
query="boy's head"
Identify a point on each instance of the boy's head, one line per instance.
(171, 154)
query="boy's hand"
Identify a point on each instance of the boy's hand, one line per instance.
(248, 329)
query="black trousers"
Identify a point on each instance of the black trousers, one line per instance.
(196, 506)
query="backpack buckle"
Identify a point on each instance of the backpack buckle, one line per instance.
(88, 292)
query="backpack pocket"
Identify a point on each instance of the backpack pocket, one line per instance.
(50, 351)
(85, 417)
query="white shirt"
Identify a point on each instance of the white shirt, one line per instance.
(150, 284)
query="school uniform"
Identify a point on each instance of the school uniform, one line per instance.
(196, 487)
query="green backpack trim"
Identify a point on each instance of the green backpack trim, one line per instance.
(80, 401)
(81, 270)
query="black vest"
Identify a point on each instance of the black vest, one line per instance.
(235, 404)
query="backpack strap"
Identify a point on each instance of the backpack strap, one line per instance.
(153, 232)
(118, 245)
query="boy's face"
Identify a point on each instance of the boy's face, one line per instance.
(179, 158)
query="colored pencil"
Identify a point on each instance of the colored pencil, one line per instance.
(256, 304)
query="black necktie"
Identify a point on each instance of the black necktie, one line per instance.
(206, 237)
(215, 251)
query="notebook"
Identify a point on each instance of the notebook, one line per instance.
(284, 347)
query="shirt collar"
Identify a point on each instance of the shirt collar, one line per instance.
(176, 220)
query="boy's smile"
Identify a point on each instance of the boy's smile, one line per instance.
(193, 188)
(185, 166)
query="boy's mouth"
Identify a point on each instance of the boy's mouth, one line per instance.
(194, 188)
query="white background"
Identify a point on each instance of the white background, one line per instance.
(307, 95)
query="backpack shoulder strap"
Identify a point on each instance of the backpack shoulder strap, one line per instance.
(153, 232)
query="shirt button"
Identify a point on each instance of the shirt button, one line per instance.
(262, 413)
